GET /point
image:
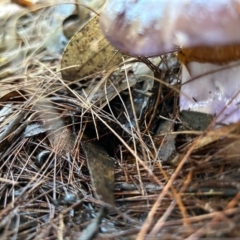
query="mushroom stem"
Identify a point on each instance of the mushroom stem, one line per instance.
(214, 89)
(211, 82)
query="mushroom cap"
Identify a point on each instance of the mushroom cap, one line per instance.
(153, 27)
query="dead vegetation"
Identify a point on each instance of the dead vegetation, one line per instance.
(61, 140)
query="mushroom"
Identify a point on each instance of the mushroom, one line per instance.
(206, 34)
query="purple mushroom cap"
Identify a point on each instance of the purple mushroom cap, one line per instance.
(154, 27)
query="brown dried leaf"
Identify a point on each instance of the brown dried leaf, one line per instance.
(8, 91)
(88, 52)
(167, 150)
(101, 168)
(230, 151)
(23, 3)
(230, 131)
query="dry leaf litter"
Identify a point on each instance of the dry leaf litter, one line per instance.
(92, 147)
